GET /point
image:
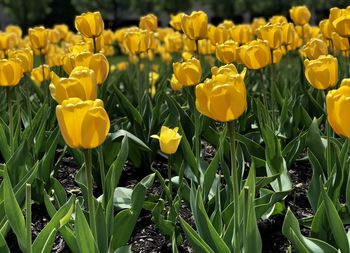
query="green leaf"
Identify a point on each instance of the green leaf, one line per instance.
(123, 133)
(3, 245)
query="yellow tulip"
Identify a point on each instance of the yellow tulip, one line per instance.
(122, 66)
(322, 73)
(7, 40)
(97, 62)
(40, 74)
(224, 97)
(255, 55)
(340, 43)
(55, 56)
(326, 29)
(11, 72)
(338, 113)
(175, 84)
(153, 77)
(175, 21)
(315, 48)
(166, 57)
(173, 42)
(205, 47)
(63, 30)
(68, 62)
(26, 57)
(217, 34)
(90, 24)
(81, 84)
(54, 35)
(188, 72)
(257, 23)
(14, 29)
(83, 124)
(277, 55)
(189, 45)
(288, 33)
(228, 69)
(272, 34)
(345, 82)
(186, 56)
(228, 24)
(169, 139)
(227, 52)
(38, 37)
(149, 22)
(241, 33)
(340, 20)
(138, 41)
(275, 20)
(300, 14)
(195, 26)
(108, 37)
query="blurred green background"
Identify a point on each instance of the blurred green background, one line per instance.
(118, 13)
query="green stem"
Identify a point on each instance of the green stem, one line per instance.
(90, 196)
(29, 218)
(94, 42)
(328, 150)
(11, 126)
(245, 216)
(197, 139)
(235, 185)
(170, 186)
(102, 171)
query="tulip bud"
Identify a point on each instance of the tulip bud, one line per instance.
(97, 62)
(272, 34)
(175, 84)
(25, 56)
(40, 74)
(54, 35)
(205, 47)
(300, 15)
(277, 20)
(175, 21)
(189, 45)
(326, 28)
(227, 52)
(322, 73)
(11, 72)
(217, 34)
(138, 41)
(68, 61)
(257, 23)
(63, 30)
(38, 37)
(149, 22)
(255, 55)
(83, 124)
(169, 139)
(14, 29)
(189, 72)
(173, 42)
(90, 24)
(224, 97)
(340, 20)
(7, 41)
(288, 33)
(340, 43)
(228, 24)
(241, 33)
(315, 48)
(195, 26)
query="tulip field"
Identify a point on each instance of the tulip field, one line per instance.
(193, 137)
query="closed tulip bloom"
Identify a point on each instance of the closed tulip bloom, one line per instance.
(217, 34)
(173, 42)
(315, 48)
(137, 41)
(205, 47)
(326, 29)
(277, 55)
(255, 55)
(241, 33)
(68, 62)
(338, 113)
(195, 26)
(25, 56)
(228, 69)
(226, 52)
(272, 34)
(228, 24)
(14, 29)
(40, 74)
(108, 37)
(169, 139)
(97, 62)
(83, 124)
(186, 56)
(300, 14)
(90, 24)
(149, 22)
(175, 84)
(63, 30)
(257, 23)
(175, 21)
(188, 72)
(7, 40)
(288, 33)
(278, 19)
(38, 37)
(340, 20)
(345, 82)
(340, 43)
(322, 73)
(54, 35)
(189, 45)
(11, 72)
(222, 98)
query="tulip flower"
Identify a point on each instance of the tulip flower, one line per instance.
(195, 26)
(68, 62)
(326, 29)
(63, 30)
(81, 84)
(241, 33)
(169, 139)
(137, 41)
(149, 22)
(175, 84)
(255, 55)
(257, 23)
(11, 72)
(40, 74)
(228, 24)
(90, 24)
(175, 21)
(227, 52)
(300, 14)
(224, 97)
(338, 113)
(205, 47)
(7, 40)
(340, 20)
(173, 42)
(83, 124)
(26, 57)
(278, 19)
(315, 48)
(288, 33)
(14, 29)
(189, 45)
(217, 34)
(38, 37)
(340, 43)
(188, 72)
(272, 34)
(97, 62)
(322, 73)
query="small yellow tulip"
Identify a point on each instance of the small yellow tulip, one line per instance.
(288, 33)
(189, 45)
(173, 42)
(63, 29)
(217, 34)
(326, 29)
(40, 74)
(11, 72)
(241, 33)
(205, 47)
(137, 41)
(26, 57)
(228, 24)
(175, 21)
(227, 52)
(38, 37)
(315, 48)
(169, 139)
(224, 97)
(7, 40)
(272, 34)
(83, 124)
(322, 73)
(195, 26)
(255, 55)
(54, 35)
(90, 24)
(68, 62)
(278, 19)
(188, 72)
(175, 84)
(257, 23)
(14, 29)
(149, 22)
(340, 43)
(338, 113)
(97, 62)
(340, 20)
(300, 14)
